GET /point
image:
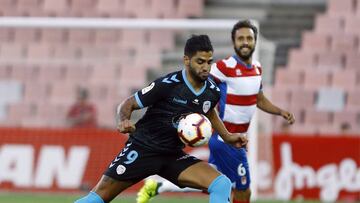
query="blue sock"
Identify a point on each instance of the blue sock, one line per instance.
(92, 197)
(220, 190)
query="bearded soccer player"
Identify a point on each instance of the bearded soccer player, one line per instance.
(239, 79)
(154, 146)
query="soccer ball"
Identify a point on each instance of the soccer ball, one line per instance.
(194, 130)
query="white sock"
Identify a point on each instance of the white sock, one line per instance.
(168, 186)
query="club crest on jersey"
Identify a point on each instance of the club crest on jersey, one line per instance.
(148, 88)
(206, 106)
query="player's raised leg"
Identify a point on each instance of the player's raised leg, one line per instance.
(204, 177)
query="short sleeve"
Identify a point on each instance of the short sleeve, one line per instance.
(216, 73)
(152, 93)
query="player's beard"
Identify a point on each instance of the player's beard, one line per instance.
(244, 56)
(196, 75)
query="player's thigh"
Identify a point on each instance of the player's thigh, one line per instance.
(199, 175)
(108, 188)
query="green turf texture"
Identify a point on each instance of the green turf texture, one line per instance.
(41, 198)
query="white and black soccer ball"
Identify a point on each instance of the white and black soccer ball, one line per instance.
(194, 130)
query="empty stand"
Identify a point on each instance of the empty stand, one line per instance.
(111, 8)
(313, 79)
(301, 59)
(331, 60)
(328, 24)
(344, 79)
(342, 8)
(289, 77)
(315, 42)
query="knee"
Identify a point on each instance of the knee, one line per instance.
(221, 183)
(242, 194)
(92, 197)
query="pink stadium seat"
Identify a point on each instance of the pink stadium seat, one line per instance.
(105, 73)
(163, 9)
(56, 8)
(83, 8)
(29, 7)
(288, 77)
(329, 130)
(353, 25)
(345, 79)
(331, 60)
(162, 39)
(303, 129)
(26, 72)
(8, 8)
(348, 116)
(343, 7)
(353, 99)
(315, 41)
(27, 35)
(6, 35)
(191, 9)
(303, 97)
(49, 73)
(12, 51)
(137, 8)
(81, 36)
(91, 53)
(133, 39)
(53, 36)
(344, 42)
(5, 71)
(327, 24)
(314, 117)
(301, 59)
(111, 8)
(36, 92)
(107, 37)
(78, 74)
(313, 79)
(62, 93)
(148, 58)
(39, 52)
(352, 60)
(127, 78)
(281, 96)
(19, 111)
(64, 52)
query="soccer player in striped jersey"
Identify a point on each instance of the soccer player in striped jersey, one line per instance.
(239, 80)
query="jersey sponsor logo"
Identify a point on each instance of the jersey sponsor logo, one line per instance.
(179, 101)
(148, 88)
(120, 169)
(196, 101)
(243, 180)
(171, 79)
(206, 106)
(238, 72)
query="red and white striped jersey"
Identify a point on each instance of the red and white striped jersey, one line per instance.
(239, 85)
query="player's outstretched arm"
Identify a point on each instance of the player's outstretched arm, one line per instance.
(123, 114)
(264, 104)
(236, 139)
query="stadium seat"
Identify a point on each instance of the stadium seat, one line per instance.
(344, 42)
(19, 111)
(312, 41)
(190, 9)
(81, 36)
(343, 7)
(331, 60)
(301, 59)
(105, 72)
(11, 52)
(348, 116)
(8, 8)
(111, 8)
(345, 79)
(56, 8)
(352, 60)
(289, 77)
(50, 73)
(107, 37)
(163, 9)
(27, 35)
(302, 97)
(6, 35)
(62, 93)
(327, 24)
(304, 129)
(25, 72)
(5, 71)
(281, 96)
(133, 39)
(313, 79)
(137, 8)
(83, 8)
(353, 25)
(29, 7)
(35, 92)
(53, 36)
(67, 53)
(162, 39)
(335, 95)
(314, 117)
(353, 99)
(39, 52)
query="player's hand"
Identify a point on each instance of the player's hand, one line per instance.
(238, 140)
(289, 117)
(126, 126)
